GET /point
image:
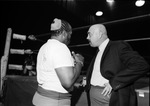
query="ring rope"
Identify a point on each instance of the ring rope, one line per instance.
(129, 40)
(82, 45)
(115, 21)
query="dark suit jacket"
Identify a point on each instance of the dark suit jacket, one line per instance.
(122, 67)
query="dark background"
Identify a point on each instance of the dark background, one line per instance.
(124, 21)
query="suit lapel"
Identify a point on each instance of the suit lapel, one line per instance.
(105, 52)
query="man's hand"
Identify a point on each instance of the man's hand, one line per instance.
(78, 58)
(107, 90)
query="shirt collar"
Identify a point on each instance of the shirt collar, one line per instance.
(103, 45)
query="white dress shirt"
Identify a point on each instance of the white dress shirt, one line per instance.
(97, 79)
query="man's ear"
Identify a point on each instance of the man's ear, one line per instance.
(100, 34)
(64, 34)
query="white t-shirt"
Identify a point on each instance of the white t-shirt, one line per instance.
(53, 54)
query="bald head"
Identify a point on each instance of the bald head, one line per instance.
(98, 27)
(96, 35)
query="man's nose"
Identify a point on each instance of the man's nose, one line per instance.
(87, 37)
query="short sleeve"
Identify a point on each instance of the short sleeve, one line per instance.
(62, 57)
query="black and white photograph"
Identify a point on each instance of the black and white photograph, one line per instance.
(74, 52)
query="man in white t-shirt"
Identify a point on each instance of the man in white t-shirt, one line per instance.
(57, 69)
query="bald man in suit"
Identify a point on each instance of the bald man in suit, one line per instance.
(113, 71)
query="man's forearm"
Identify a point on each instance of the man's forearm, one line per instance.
(77, 71)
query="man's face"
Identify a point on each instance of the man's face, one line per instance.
(93, 37)
(67, 38)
